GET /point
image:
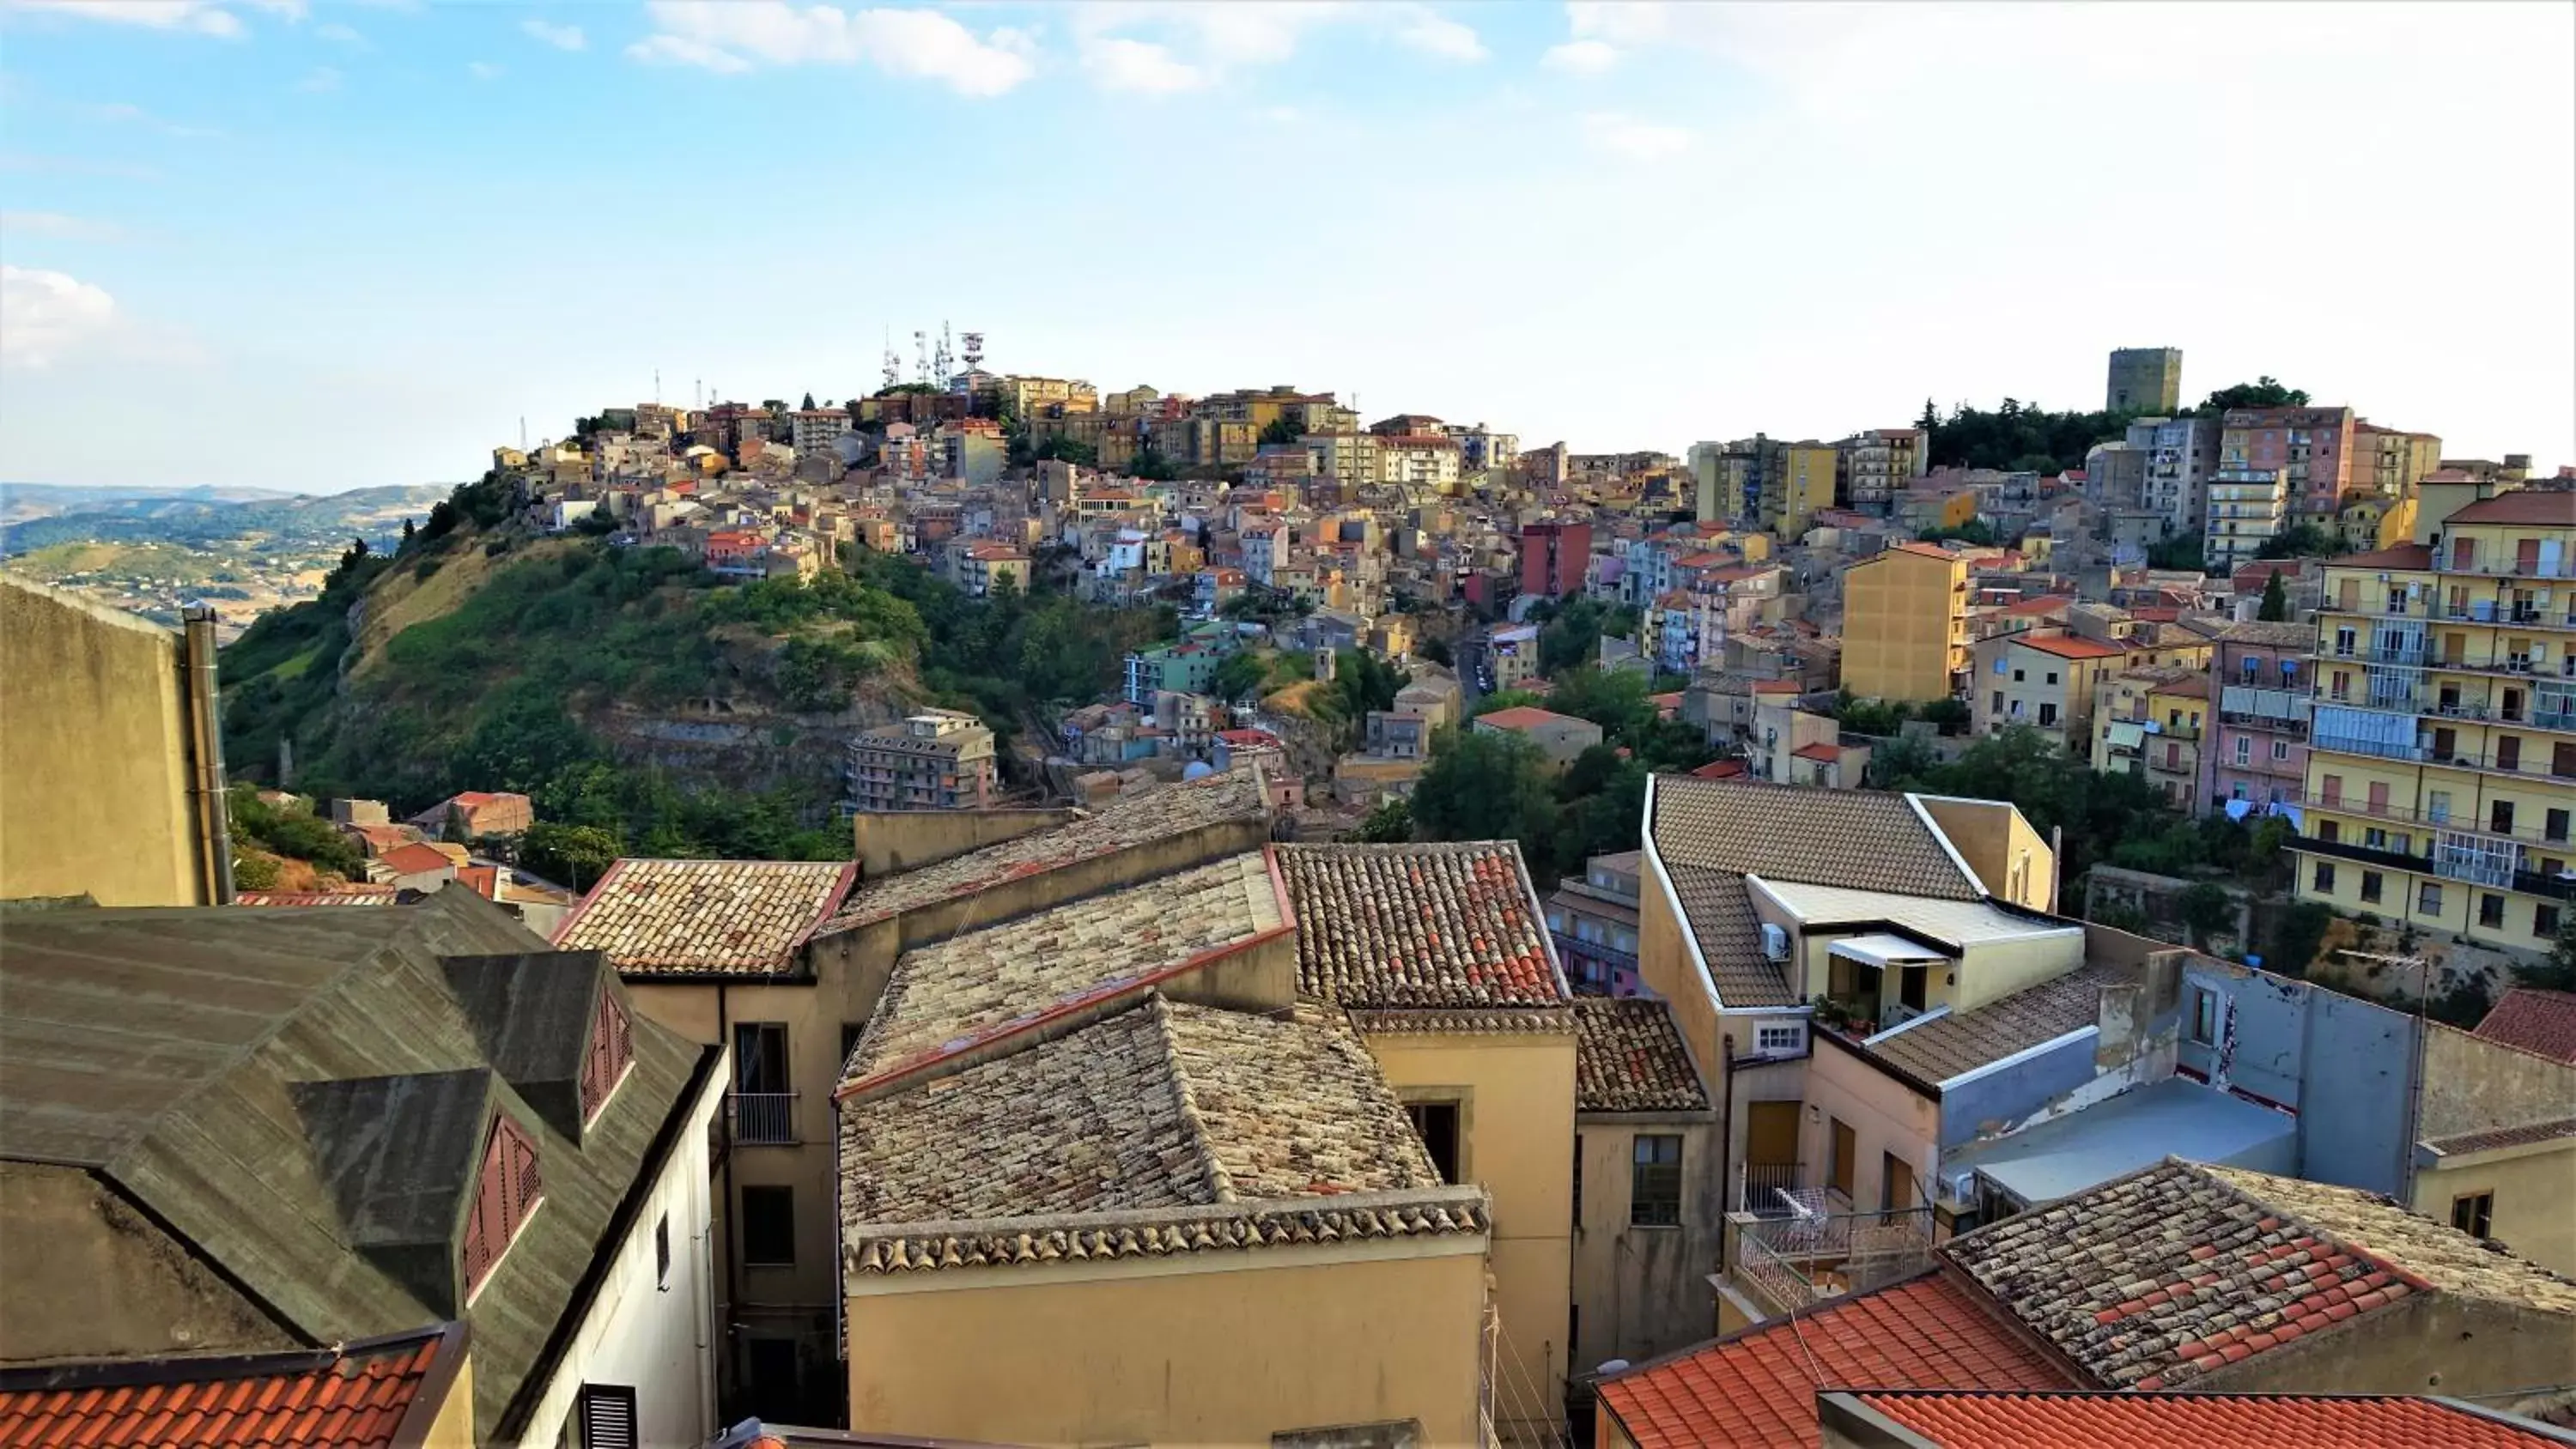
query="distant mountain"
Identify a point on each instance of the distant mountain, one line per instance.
(35, 516)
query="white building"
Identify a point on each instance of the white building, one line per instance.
(2181, 455)
(1418, 460)
(811, 430)
(2246, 509)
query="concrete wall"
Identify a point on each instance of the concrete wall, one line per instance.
(2529, 1184)
(1643, 1291)
(1516, 1140)
(453, 1428)
(2429, 1344)
(895, 840)
(1009, 899)
(1220, 1347)
(2344, 1065)
(2007, 1099)
(1992, 970)
(1885, 1115)
(2472, 1084)
(94, 755)
(107, 1283)
(2012, 860)
(647, 1330)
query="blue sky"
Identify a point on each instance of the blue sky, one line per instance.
(321, 246)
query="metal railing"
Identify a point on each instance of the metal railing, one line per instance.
(763, 1119)
(1798, 1260)
(1761, 1184)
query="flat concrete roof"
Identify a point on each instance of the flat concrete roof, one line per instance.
(2175, 1117)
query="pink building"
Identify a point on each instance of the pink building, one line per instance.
(1553, 557)
(2259, 679)
(2309, 449)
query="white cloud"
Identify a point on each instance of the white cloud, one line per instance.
(1627, 136)
(561, 37)
(1435, 34)
(196, 15)
(323, 80)
(1120, 64)
(734, 35)
(292, 11)
(58, 226)
(482, 70)
(339, 34)
(45, 316)
(1581, 57)
(127, 113)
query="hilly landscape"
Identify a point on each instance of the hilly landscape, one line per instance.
(646, 705)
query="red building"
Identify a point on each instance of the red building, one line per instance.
(1553, 557)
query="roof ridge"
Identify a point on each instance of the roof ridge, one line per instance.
(2297, 1219)
(1202, 1138)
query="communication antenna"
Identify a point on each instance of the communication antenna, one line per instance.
(974, 350)
(657, 387)
(523, 432)
(944, 362)
(893, 360)
(921, 355)
(701, 384)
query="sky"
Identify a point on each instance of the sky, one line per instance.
(294, 244)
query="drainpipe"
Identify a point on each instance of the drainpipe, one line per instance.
(206, 756)
(732, 1229)
(1725, 1139)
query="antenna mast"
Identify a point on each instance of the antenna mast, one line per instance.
(920, 356)
(893, 360)
(943, 365)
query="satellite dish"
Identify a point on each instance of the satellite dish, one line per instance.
(1197, 770)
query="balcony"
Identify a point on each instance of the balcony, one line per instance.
(763, 1119)
(1821, 1249)
(1764, 1187)
(2480, 859)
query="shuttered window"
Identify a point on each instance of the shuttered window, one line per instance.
(607, 1417)
(612, 1049)
(508, 1189)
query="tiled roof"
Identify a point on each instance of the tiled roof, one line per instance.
(2067, 646)
(1864, 838)
(1396, 926)
(1819, 751)
(1934, 1051)
(1629, 1057)
(2403, 556)
(2151, 1280)
(2525, 1135)
(1757, 1389)
(747, 916)
(1719, 909)
(974, 988)
(1524, 717)
(352, 896)
(2534, 1020)
(414, 858)
(1126, 821)
(1164, 1106)
(348, 1398)
(2548, 507)
(2197, 1421)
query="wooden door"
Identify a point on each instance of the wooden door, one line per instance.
(1771, 1134)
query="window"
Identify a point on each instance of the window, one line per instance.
(662, 1251)
(2208, 1009)
(2553, 825)
(2428, 899)
(1846, 1143)
(505, 1194)
(1437, 1124)
(2474, 1214)
(2330, 791)
(606, 1417)
(2244, 750)
(2490, 910)
(2325, 877)
(2437, 806)
(1578, 1179)
(1786, 1040)
(2544, 921)
(2508, 752)
(2330, 831)
(2370, 883)
(2562, 760)
(612, 1051)
(760, 1057)
(2047, 715)
(1655, 1181)
(2020, 676)
(1999, 700)
(2500, 818)
(769, 1227)
(2280, 749)
(851, 1031)
(2052, 676)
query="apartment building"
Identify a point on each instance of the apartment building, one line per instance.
(2042, 678)
(1905, 624)
(1482, 450)
(2180, 456)
(2261, 676)
(2387, 463)
(1877, 465)
(2247, 508)
(812, 430)
(979, 565)
(1805, 486)
(2310, 450)
(1418, 460)
(2441, 779)
(2144, 379)
(938, 759)
(1554, 557)
(2151, 723)
(1350, 459)
(1032, 397)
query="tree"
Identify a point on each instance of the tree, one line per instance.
(1975, 530)
(2558, 972)
(407, 533)
(2276, 601)
(1151, 465)
(571, 855)
(1279, 432)
(2262, 392)
(809, 402)
(1483, 785)
(2297, 933)
(2205, 907)
(2305, 540)
(1391, 823)
(2180, 553)
(1239, 675)
(1931, 417)
(1436, 651)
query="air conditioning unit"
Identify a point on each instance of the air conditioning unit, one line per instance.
(1960, 1186)
(1775, 942)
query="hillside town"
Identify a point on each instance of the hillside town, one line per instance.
(1794, 942)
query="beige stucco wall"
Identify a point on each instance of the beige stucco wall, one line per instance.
(1216, 1348)
(2438, 1343)
(1902, 612)
(2472, 1084)
(94, 754)
(454, 1426)
(1992, 970)
(1643, 1291)
(2012, 860)
(2532, 1185)
(108, 1283)
(1885, 1116)
(1516, 1140)
(895, 840)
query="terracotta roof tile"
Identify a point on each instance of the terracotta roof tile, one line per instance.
(1862, 838)
(1757, 1389)
(2545, 506)
(2491, 1138)
(1719, 909)
(1123, 823)
(353, 1398)
(2534, 1020)
(354, 895)
(1935, 1050)
(1400, 926)
(2067, 646)
(1629, 1057)
(2196, 1421)
(2151, 1280)
(1525, 716)
(975, 988)
(747, 916)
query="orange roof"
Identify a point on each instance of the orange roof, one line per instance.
(2043, 604)
(2403, 556)
(1524, 716)
(414, 859)
(1924, 549)
(2534, 1020)
(2068, 646)
(1826, 753)
(352, 896)
(1775, 686)
(2547, 507)
(359, 1397)
(483, 880)
(1758, 1387)
(1719, 770)
(2196, 1421)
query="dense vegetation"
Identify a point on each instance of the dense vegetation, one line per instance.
(2024, 437)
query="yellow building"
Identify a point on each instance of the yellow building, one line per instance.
(2388, 462)
(1905, 624)
(111, 763)
(1806, 485)
(2441, 777)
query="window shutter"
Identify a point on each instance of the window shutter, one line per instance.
(608, 1417)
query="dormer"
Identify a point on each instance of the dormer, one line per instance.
(555, 1024)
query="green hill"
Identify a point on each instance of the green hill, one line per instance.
(626, 689)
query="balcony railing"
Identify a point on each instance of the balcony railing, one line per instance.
(1760, 1189)
(1799, 1259)
(2438, 819)
(764, 1119)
